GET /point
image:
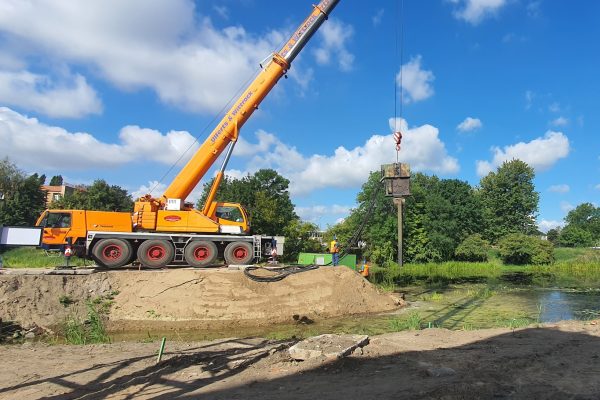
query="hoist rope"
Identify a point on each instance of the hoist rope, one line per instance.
(399, 37)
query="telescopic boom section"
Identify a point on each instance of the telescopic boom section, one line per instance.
(225, 132)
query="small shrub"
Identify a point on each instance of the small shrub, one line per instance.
(65, 300)
(520, 249)
(474, 248)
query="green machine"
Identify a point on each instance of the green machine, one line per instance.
(349, 260)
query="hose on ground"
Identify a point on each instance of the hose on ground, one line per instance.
(277, 273)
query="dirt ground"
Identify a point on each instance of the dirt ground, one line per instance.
(560, 361)
(190, 298)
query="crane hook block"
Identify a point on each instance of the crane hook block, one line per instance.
(398, 139)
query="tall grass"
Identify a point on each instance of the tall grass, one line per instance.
(88, 330)
(28, 257)
(576, 268)
(448, 272)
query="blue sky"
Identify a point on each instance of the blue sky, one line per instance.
(119, 90)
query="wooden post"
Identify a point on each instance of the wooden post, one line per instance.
(399, 201)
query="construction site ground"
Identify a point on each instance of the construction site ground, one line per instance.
(559, 361)
(554, 361)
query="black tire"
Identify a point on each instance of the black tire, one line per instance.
(156, 253)
(200, 253)
(239, 253)
(112, 253)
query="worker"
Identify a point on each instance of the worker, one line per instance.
(364, 268)
(334, 249)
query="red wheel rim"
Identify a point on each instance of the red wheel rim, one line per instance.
(240, 253)
(112, 252)
(201, 253)
(156, 253)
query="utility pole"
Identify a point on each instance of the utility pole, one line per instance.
(399, 201)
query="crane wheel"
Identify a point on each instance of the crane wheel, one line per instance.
(156, 253)
(112, 253)
(238, 253)
(200, 253)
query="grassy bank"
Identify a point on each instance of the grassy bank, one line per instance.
(574, 268)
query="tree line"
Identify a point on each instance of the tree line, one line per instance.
(444, 219)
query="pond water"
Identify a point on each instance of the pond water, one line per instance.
(456, 307)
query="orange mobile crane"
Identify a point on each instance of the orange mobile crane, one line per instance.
(167, 230)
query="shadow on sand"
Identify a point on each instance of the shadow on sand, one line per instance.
(533, 363)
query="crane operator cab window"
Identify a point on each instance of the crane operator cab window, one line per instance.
(229, 213)
(56, 220)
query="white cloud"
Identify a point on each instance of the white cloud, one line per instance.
(153, 188)
(475, 11)
(560, 121)
(335, 34)
(170, 48)
(563, 188)
(554, 107)
(565, 206)
(71, 97)
(415, 82)
(597, 187)
(377, 17)
(41, 146)
(529, 96)
(469, 124)
(315, 213)
(346, 168)
(222, 11)
(546, 225)
(541, 153)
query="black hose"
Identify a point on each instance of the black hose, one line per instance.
(280, 272)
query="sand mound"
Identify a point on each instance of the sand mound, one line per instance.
(193, 298)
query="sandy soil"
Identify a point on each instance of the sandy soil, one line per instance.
(560, 361)
(191, 298)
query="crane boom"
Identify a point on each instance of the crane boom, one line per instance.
(238, 114)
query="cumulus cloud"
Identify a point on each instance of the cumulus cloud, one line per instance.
(565, 206)
(335, 35)
(170, 48)
(315, 213)
(40, 146)
(560, 121)
(541, 153)
(71, 97)
(469, 124)
(475, 11)
(546, 225)
(347, 168)
(563, 188)
(415, 82)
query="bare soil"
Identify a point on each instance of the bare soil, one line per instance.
(560, 361)
(190, 298)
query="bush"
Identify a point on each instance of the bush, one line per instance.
(520, 249)
(473, 248)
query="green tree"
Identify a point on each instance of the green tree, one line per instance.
(298, 240)
(99, 196)
(575, 236)
(553, 235)
(587, 218)
(22, 198)
(473, 248)
(264, 194)
(56, 180)
(520, 249)
(509, 200)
